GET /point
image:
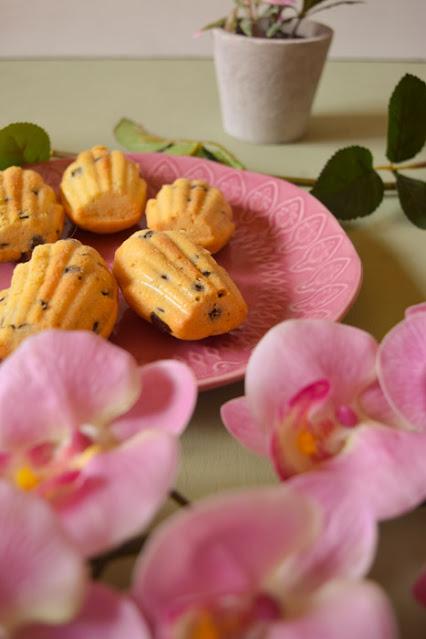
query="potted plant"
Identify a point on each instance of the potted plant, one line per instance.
(269, 59)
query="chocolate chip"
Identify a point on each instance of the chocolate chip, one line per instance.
(7, 199)
(3, 245)
(2, 298)
(72, 269)
(206, 273)
(164, 276)
(22, 326)
(196, 257)
(215, 312)
(147, 235)
(198, 286)
(99, 158)
(77, 171)
(161, 310)
(95, 327)
(221, 293)
(35, 192)
(106, 293)
(36, 241)
(23, 216)
(159, 323)
(44, 305)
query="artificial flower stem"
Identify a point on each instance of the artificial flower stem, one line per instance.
(389, 186)
(180, 499)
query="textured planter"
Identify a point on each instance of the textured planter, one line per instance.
(267, 87)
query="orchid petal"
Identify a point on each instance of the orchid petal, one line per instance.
(226, 545)
(237, 417)
(105, 615)
(42, 577)
(376, 407)
(402, 369)
(167, 401)
(348, 540)
(414, 310)
(58, 380)
(120, 492)
(419, 589)
(350, 610)
(385, 469)
(297, 353)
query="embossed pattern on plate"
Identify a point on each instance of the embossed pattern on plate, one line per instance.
(289, 256)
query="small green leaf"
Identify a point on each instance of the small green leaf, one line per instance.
(217, 24)
(182, 148)
(135, 137)
(412, 195)
(407, 119)
(246, 26)
(310, 4)
(348, 184)
(218, 153)
(23, 143)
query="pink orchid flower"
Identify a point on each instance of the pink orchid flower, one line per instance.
(314, 403)
(240, 572)
(402, 373)
(42, 576)
(105, 614)
(94, 435)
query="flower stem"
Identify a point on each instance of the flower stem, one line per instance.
(180, 499)
(401, 167)
(128, 549)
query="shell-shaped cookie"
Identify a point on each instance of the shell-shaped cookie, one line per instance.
(195, 207)
(29, 213)
(65, 285)
(102, 191)
(177, 285)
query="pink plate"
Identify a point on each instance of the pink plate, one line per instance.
(289, 256)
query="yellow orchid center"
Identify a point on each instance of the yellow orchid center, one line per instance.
(306, 443)
(204, 627)
(26, 479)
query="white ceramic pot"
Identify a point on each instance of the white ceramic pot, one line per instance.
(267, 87)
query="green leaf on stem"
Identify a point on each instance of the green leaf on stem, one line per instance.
(23, 143)
(135, 137)
(348, 185)
(310, 4)
(183, 148)
(217, 24)
(218, 153)
(412, 195)
(407, 119)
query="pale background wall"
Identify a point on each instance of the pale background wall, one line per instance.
(378, 29)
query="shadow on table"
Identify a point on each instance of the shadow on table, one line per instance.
(346, 126)
(387, 288)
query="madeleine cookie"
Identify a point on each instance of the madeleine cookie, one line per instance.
(102, 191)
(177, 285)
(195, 207)
(29, 213)
(65, 285)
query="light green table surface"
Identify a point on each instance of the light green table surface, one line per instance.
(79, 102)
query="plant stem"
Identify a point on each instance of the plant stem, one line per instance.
(56, 153)
(128, 549)
(180, 499)
(389, 186)
(401, 167)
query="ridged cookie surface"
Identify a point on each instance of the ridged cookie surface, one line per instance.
(177, 285)
(29, 213)
(102, 191)
(65, 285)
(195, 207)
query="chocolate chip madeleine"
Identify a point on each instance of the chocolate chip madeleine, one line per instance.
(29, 213)
(177, 285)
(65, 285)
(195, 207)
(102, 191)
